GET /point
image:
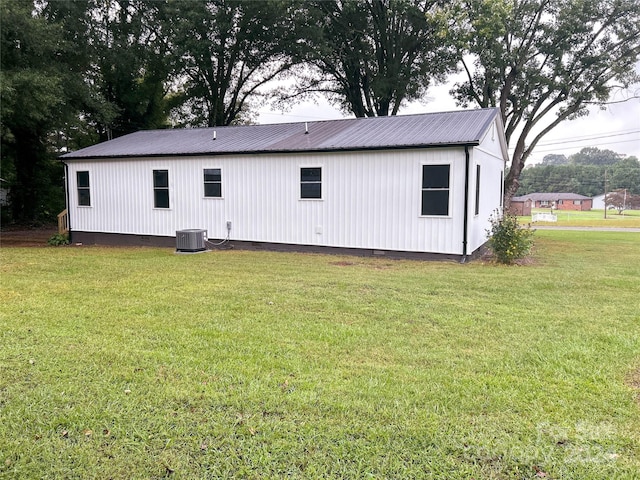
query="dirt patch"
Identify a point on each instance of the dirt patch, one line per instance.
(342, 264)
(26, 237)
(633, 380)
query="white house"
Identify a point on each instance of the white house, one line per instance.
(415, 185)
(598, 202)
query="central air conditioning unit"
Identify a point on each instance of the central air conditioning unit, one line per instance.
(191, 240)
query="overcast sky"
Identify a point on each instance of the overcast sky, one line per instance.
(616, 128)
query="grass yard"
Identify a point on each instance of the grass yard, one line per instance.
(592, 218)
(140, 363)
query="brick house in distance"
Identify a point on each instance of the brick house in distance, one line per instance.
(558, 201)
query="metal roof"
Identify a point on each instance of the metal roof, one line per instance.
(464, 127)
(550, 197)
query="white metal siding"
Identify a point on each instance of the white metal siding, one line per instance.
(490, 158)
(370, 199)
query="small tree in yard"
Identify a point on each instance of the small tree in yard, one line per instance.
(509, 240)
(622, 200)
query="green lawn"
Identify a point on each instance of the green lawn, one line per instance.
(592, 218)
(140, 363)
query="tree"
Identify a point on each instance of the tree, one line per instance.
(371, 56)
(625, 175)
(554, 159)
(228, 50)
(542, 62)
(595, 156)
(40, 88)
(585, 174)
(581, 179)
(622, 200)
(134, 61)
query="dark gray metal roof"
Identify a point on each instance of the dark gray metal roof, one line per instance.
(465, 127)
(550, 197)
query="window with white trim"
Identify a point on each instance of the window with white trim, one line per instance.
(435, 190)
(84, 191)
(161, 188)
(311, 182)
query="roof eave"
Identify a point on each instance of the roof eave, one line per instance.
(70, 157)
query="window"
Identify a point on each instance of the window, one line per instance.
(577, 202)
(435, 190)
(311, 182)
(477, 189)
(212, 182)
(161, 188)
(544, 203)
(84, 194)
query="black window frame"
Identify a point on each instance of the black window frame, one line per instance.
(84, 191)
(477, 208)
(161, 189)
(311, 183)
(212, 187)
(436, 190)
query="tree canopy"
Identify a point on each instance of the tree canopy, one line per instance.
(134, 64)
(555, 159)
(584, 173)
(543, 62)
(227, 50)
(622, 200)
(42, 88)
(371, 56)
(77, 72)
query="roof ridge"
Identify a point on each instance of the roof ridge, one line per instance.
(328, 120)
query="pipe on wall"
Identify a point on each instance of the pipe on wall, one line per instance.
(66, 199)
(465, 220)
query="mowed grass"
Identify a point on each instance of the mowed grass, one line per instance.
(591, 218)
(140, 363)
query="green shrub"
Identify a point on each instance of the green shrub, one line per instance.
(58, 239)
(509, 240)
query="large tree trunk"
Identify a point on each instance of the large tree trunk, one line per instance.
(26, 194)
(518, 159)
(511, 185)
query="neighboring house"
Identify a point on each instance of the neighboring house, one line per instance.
(414, 185)
(559, 201)
(597, 202)
(521, 206)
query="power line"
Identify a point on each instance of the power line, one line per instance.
(555, 149)
(588, 137)
(586, 145)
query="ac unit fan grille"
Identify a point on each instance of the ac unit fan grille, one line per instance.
(191, 240)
